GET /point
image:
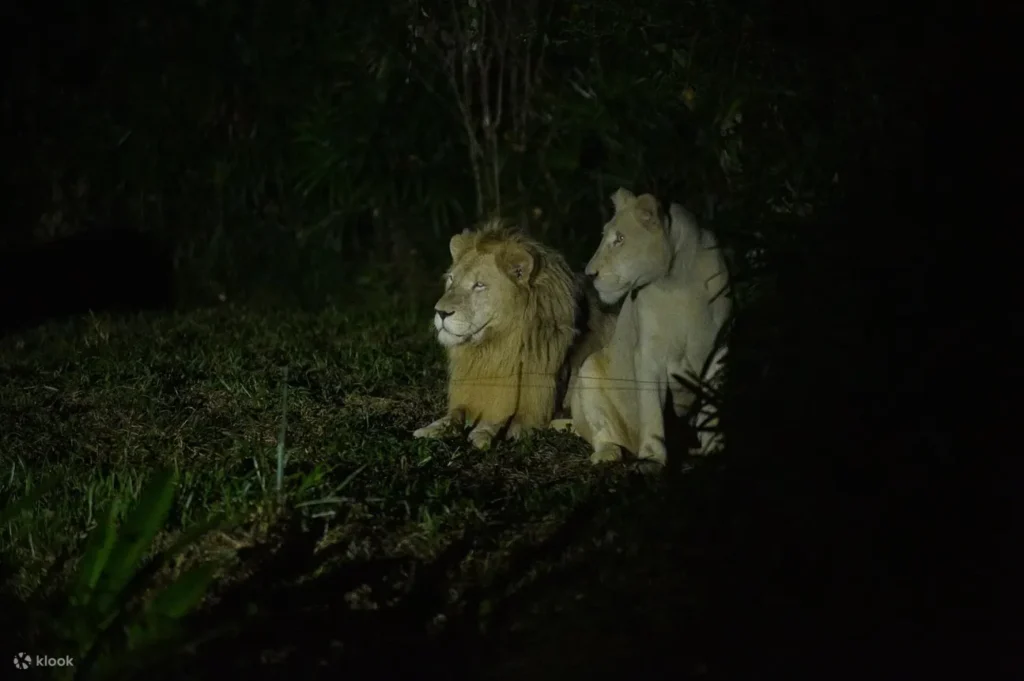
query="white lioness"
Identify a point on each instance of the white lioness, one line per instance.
(671, 277)
(507, 319)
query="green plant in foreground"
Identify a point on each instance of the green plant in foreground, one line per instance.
(105, 619)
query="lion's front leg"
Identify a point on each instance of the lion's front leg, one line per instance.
(516, 430)
(483, 434)
(445, 425)
(438, 428)
(652, 389)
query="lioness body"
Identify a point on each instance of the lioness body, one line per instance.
(670, 276)
(507, 320)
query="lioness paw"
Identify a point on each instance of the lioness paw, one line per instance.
(562, 425)
(606, 453)
(654, 451)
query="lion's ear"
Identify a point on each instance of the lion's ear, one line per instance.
(622, 199)
(494, 224)
(517, 263)
(647, 211)
(458, 244)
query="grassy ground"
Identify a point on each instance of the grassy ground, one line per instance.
(370, 516)
(100, 402)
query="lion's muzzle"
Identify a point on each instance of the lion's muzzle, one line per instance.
(452, 329)
(452, 323)
(439, 317)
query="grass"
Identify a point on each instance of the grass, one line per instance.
(368, 536)
(100, 402)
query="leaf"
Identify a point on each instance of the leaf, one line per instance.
(184, 594)
(97, 551)
(196, 531)
(141, 526)
(680, 57)
(731, 111)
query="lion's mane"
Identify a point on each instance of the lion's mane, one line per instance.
(516, 373)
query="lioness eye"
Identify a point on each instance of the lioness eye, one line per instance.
(618, 238)
(448, 280)
(478, 286)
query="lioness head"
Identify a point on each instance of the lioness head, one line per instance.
(489, 277)
(634, 249)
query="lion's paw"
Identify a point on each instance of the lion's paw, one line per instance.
(433, 430)
(515, 431)
(653, 451)
(481, 439)
(606, 453)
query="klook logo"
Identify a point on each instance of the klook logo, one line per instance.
(24, 661)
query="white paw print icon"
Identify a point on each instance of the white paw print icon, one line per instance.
(22, 661)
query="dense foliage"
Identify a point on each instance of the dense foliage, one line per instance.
(270, 138)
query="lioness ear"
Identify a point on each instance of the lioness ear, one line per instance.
(458, 244)
(517, 263)
(622, 198)
(647, 211)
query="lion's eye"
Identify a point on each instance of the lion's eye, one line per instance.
(448, 280)
(618, 238)
(478, 286)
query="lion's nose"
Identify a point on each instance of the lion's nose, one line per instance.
(442, 313)
(591, 274)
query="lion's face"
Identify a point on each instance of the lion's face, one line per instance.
(634, 248)
(481, 290)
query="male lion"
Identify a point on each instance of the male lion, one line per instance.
(675, 278)
(507, 320)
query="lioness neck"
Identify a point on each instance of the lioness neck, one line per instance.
(695, 251)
